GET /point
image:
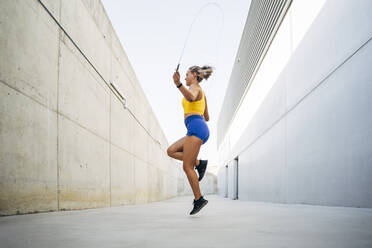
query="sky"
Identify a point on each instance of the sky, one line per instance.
(154, 34)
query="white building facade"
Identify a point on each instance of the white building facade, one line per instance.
(296, 123)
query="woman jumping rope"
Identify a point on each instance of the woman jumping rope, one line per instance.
(196, 114)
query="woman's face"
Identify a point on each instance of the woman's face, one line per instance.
(190, 76)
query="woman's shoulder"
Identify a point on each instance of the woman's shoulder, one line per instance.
(193, 87)
(200, 90)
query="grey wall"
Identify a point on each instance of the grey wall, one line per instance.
(67, 141)
(208, 185)
(311, 139)
(222, 181)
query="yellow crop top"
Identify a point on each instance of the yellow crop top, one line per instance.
(194, 107)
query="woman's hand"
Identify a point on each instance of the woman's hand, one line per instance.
(176, 78)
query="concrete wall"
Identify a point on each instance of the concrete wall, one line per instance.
(208, 185)
(67, 141)
(310, 141)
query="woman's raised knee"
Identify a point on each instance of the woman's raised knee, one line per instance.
(187, 168)
(169, 151)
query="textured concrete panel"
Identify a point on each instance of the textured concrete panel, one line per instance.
(29, 50)
(155, 151)
(84, 149)
(183, 186)
(209, 184)
(139, 142)
(28, 154)
(330, 138)
(53, 6)
(171, 187)
(81, 97)
(141, 107)
(76, 20)
(155, 183)
(83, 169)
(122, 126)
(122, 60)
(154, 125)
(170, 165)
(141, 180)
(122, 177)
(122, 81)
(98, 13)
(154, 157)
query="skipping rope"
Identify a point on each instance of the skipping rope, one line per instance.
(195, 17)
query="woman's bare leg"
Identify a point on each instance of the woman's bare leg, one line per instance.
(191, 150)
(176, 150)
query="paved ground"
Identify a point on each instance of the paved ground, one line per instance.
(222, 223)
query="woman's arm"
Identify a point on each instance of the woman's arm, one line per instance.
(190, 95)
(206, 114)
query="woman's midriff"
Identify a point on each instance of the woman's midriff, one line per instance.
(188, 114)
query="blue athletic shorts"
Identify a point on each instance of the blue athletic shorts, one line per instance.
(197, 126)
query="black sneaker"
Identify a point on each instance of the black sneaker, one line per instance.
(198, 205)
(201, 168)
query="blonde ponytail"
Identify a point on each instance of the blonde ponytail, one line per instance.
(202, 72)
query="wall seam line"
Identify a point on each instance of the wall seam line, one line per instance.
(57, 110)
(59, 114)
(110, 150)
(94, 68)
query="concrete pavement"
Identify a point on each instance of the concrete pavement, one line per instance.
(222, 223)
